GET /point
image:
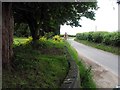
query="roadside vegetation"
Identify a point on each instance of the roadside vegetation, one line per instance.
(69, 35)
(107, 41)
(84, 71)
(45, 66)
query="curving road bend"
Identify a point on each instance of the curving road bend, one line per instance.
(105, 59)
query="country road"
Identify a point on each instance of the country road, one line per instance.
(107, 61)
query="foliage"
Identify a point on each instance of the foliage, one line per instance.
(107, 38)
(90, 36)
(21, 30)
(30, 39)
(69, 35)
(43, 38)
(18, 41)
(80, 36)
(115, 39)
(97, 37)
(57, 38)
(36, 68)
(46, 17)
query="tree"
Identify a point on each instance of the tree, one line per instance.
(42, 16)
(7, 34)
(21, 30)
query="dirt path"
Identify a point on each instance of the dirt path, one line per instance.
(102, 77)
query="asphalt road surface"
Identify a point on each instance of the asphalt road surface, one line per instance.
(107, 60)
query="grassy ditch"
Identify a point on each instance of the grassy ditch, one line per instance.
(85, 73)
(101, 46)
(44, 66)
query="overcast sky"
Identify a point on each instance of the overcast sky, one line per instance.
(106, 19)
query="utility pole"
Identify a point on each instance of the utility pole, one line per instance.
(95, 28)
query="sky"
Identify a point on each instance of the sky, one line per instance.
(106, 19)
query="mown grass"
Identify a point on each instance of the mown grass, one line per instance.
(45, 66)
(108, 48)
(85, 73)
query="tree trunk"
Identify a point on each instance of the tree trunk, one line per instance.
(34, 31)
(57, 30)
(7, 34)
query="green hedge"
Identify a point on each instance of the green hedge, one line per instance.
(108, 38)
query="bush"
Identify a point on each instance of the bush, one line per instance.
(115, 38)
(80, 36)
(57, 38)
(21, 30)
(85, 36)
(98, 37)
(108, 38)
(90, 36)
(43, 39)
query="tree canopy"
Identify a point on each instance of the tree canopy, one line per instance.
(48, 16)
(41, 17)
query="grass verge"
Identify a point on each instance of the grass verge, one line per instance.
(85, 73)
(101, 46)
(20, 40)
(45, 66)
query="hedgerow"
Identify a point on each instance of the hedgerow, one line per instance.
(107, 38)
